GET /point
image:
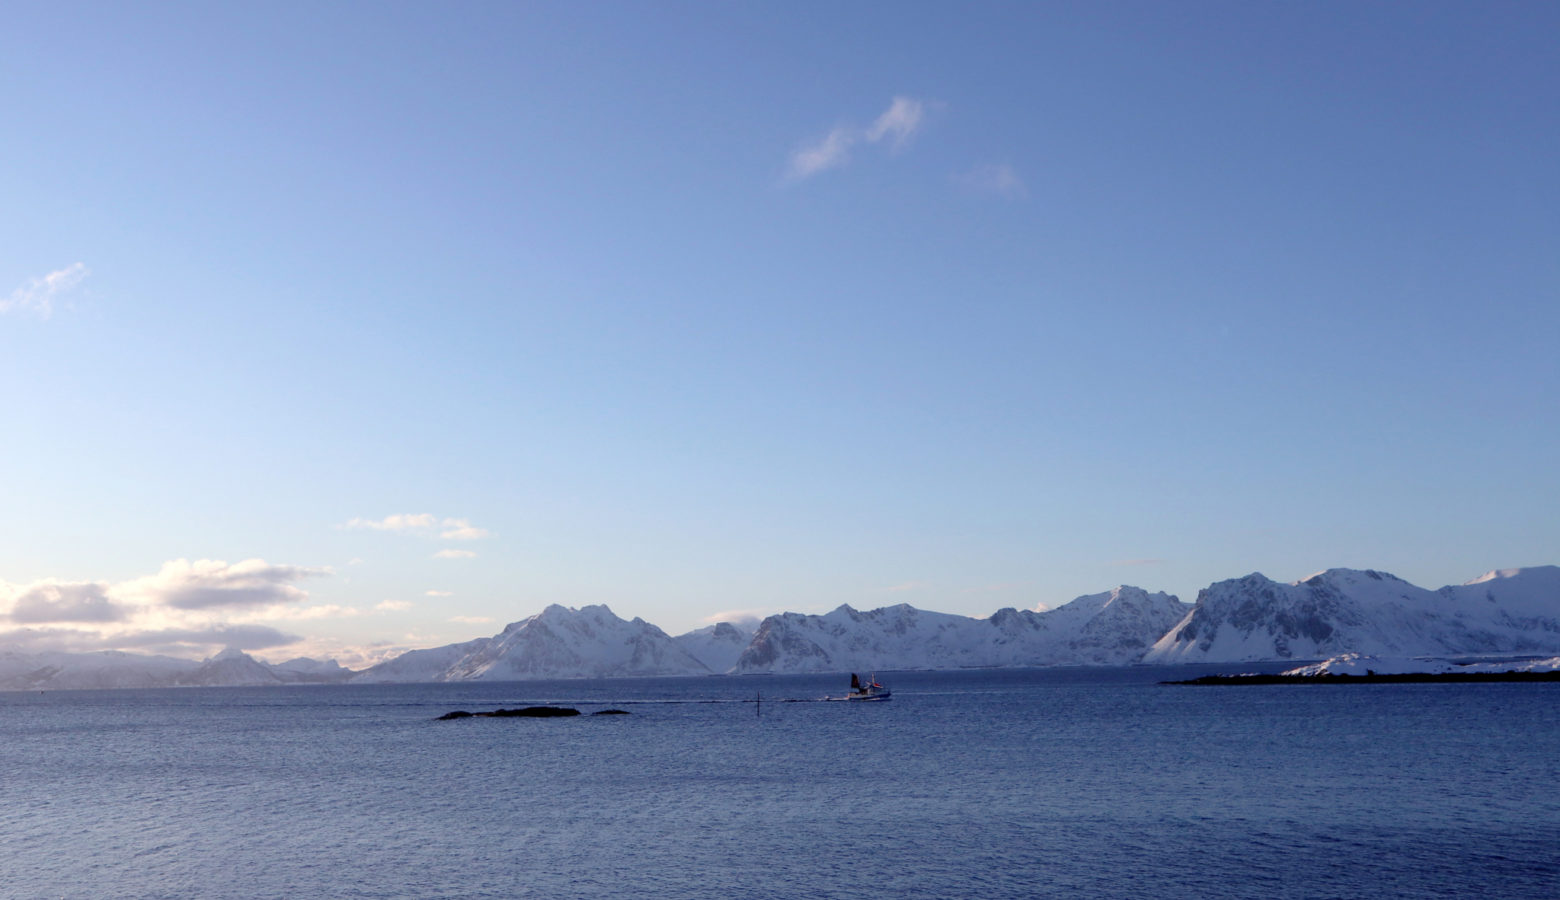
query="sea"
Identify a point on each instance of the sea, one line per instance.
(985, 784)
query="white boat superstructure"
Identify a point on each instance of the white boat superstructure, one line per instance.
(869, 689)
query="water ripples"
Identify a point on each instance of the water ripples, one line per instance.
(967, 784)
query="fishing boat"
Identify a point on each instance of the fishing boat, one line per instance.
(867, 690)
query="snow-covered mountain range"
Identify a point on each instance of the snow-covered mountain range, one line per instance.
(557, 642)
(1350, 611)
(1113, 628)
(1339, 611)
(111, 669)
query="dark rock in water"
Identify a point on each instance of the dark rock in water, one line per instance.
(526, 712)
(534, 712)
(610, 712)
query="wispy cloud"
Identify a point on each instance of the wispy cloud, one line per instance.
(426, 524)
(400, 522)
(998, 178)
(896, 125)
(38, 294)
(438, 593)
(461, 530)
(831, 151)
(307, 613)
(455, 554)
(901, 120)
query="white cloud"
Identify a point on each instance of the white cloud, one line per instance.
(186, 608)
(461, 530)
(394, 605)
(210, 583)
(203, 640)
(899, 122)
(38, 294)
(745, 618)
(438, 594)
(47, 602)
(455, 554)
(994, 179)
(831, 151)
(305, 613)
(400, 522)
(426, 524)
(897, 125)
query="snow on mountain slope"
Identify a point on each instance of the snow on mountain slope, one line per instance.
(113, 669)
(558, 642)
(719, 646)
(230, 668)
(102, 670)
(1356, 664)
(1113, 628)
(1525, 599)
(1367, 612)
(304, 669)
(1339, 611)
(898, 637)
(415, 666)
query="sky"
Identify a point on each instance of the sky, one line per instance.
(337, 330)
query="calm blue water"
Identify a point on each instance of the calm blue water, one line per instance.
(1029, 783)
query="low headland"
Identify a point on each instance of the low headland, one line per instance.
(1355, 668)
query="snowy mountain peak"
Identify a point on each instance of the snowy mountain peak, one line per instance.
(558, 642)
(1349, 577)
(1365, 611)
(718, 646)
(1547, 574)
(1112, 628)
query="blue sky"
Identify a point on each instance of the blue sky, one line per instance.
(348, 329)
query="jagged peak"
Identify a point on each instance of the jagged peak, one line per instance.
(557, 612)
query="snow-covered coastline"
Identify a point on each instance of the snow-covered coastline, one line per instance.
(1358, 621)
(1357, 664)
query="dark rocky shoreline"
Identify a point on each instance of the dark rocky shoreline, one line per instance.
(1401, 678)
